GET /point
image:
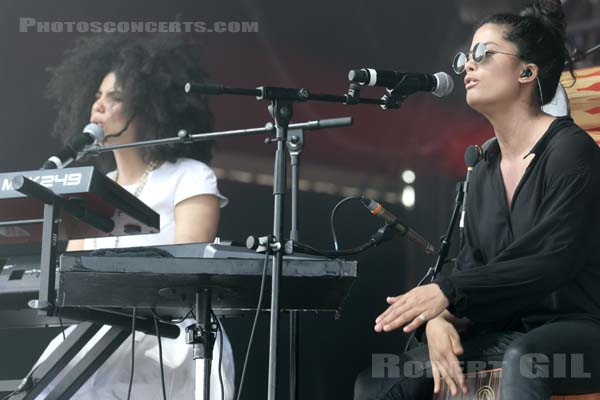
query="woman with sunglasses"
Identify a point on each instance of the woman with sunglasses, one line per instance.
(524, 293)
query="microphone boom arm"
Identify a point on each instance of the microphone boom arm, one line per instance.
(352, 97)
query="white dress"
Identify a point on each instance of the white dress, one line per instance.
(165, 187)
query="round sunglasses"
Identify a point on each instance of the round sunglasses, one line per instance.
(479, 53)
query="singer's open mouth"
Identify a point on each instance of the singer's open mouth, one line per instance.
(470, 82)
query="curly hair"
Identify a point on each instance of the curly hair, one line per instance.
(539, 34)
(151, 72)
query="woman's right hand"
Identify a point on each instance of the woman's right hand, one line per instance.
(444, 346)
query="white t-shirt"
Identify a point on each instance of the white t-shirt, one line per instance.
(165, 187)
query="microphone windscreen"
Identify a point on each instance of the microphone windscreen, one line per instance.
(473, 155)
(95, 131)
(445, 84)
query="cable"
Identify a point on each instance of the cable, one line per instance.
(157, 318)
(160, 358)
(8, 396)
(260, 298)
(25, 384)
(220, 330)
(62, 328)
(335, 241)
(178, 321)
(427, 274)
(132, 354)
(374, 240)
(413, 333)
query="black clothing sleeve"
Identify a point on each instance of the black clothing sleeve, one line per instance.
(541, 260)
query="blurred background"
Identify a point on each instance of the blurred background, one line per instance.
(410, 158)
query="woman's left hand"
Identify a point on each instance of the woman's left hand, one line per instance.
(413, 308)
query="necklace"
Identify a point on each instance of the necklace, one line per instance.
(136, 193)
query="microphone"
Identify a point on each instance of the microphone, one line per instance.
(440, 84)
(473, 155)
(390, 219)
(92, 133)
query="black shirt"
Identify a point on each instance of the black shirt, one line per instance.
(540, 258)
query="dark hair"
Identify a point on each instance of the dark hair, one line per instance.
(539, 34)
(151, 71)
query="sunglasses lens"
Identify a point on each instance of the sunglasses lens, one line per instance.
(479, 52)
(459, 63)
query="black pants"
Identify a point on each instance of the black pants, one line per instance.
(561, 357)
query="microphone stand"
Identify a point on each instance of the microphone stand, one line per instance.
(295, 145)
(201, 335)
(184, 136)
(392, 100)
(444, 247)
(447, 238)
(281, 109)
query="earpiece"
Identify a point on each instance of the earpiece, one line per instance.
(527, 73)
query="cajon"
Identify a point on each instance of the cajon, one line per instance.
(485, 385)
